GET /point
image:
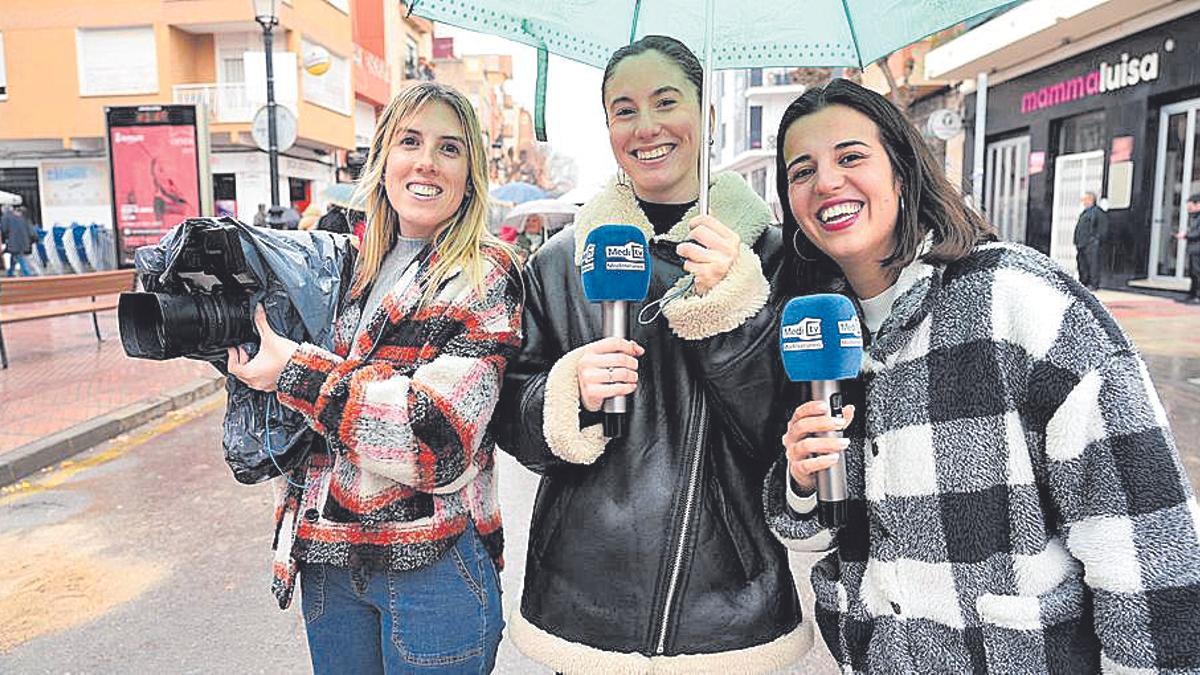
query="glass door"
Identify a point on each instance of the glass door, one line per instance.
(1074, 176)
(1177, 175)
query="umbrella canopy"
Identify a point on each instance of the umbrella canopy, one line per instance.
(744, 34)
(518, 192)
(725, 33)
(554, 209)
(9, 199)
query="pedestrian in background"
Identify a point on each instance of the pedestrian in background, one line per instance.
(1015, 503)
(396, 532)
(1192, 235)
(648, 552)
(1090, 231)
(18, 236)
(260, 216)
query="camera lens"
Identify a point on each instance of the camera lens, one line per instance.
(160, 326)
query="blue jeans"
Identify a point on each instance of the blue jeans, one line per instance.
(444, 618)
(14, 261)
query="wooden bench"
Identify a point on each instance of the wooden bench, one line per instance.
(81, 290)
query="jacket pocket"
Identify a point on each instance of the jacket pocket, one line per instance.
(749, 557)
(550, 507)
(1053, 632)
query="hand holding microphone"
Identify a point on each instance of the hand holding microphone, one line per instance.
(820, 341)
(615, 271)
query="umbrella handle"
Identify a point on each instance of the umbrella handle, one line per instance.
(705, 105)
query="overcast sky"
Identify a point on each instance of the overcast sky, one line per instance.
(574, 117)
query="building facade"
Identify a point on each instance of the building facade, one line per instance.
(1105, 100)
(65, 61)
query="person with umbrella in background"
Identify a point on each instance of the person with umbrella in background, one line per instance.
(1015, 500)
(649, 552)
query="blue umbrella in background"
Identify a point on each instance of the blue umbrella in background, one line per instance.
(341, 194)
(725, 33)
(518, 192)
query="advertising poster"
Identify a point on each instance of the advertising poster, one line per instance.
(155, 174)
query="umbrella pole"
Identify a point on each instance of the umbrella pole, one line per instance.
(705, 107)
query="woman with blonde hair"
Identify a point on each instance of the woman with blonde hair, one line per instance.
(395, 531)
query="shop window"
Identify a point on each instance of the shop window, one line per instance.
(3, 71)
(1081, 133)
(116, 61)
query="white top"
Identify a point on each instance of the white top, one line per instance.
(876, 309)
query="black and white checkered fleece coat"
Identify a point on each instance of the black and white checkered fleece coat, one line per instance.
(1017, 502)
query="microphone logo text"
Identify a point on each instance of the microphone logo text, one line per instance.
(805, 333)
(589, 258)
(630, 257)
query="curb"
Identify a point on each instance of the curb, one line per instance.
(37, 455)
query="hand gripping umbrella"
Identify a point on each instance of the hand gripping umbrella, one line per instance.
(727, 33)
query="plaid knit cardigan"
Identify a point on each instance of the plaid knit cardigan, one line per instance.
(1017, 502)
(405, 409)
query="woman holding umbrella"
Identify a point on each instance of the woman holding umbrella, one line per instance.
(1016, 501)
(648, 552)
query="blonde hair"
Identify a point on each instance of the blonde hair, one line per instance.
(460, 243)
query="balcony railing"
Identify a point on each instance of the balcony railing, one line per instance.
(226, 102)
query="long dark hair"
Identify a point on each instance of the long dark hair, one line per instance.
(669, 47)
(929, 203)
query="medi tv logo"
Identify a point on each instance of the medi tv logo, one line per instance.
(630, 257)
(589, 258)
(803, 335)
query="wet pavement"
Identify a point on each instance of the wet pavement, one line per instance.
(144, 555)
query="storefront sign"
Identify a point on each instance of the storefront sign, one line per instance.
(1037, 162)
(1127, 73)
(1122, 149)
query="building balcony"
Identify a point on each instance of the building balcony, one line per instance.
(226, 103)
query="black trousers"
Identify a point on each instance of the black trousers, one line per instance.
(1193, 266)
(1088, 260)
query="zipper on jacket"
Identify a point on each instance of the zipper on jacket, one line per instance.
(684, 530)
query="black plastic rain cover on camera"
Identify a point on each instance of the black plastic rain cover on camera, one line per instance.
(303, 275)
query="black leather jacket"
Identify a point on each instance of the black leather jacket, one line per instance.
(660, 546)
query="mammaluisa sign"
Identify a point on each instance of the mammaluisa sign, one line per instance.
(1108, 77)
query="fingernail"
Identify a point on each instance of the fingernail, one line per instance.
(843, 443)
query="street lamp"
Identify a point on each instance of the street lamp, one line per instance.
(267, 15)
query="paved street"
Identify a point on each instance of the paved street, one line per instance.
(144, 555)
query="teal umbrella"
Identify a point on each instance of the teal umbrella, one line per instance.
(727, 33)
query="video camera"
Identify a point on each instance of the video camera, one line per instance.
(201, 304)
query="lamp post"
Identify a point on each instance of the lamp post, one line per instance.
(266, 14)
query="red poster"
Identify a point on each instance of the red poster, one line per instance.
(156, 183)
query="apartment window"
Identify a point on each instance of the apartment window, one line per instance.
(331, 90)
(3, 71)
(758, 182)
(116, 61)
(756, 77)
(410, 59)
(755, 127)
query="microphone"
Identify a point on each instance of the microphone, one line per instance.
(820, 340)
(615, 271)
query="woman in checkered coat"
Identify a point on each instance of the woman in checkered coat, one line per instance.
(395, 532)
(1016, 502)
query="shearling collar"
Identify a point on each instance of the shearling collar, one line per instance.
(731, 201)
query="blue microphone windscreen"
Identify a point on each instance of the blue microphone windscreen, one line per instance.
(820, 338)
(615, 264)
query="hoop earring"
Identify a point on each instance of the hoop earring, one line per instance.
(796, 247)
(900, 213)
(622, 178)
